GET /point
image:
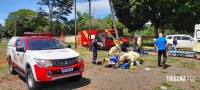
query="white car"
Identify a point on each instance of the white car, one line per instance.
(183, 41)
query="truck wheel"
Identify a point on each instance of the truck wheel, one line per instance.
(76, 78)
(11, 68)
(32, 84)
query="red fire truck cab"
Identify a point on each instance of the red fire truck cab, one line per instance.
(104, 36)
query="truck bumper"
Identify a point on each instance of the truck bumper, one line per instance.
(53, 73)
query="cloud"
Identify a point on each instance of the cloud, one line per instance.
(96, 6)
(2, 22)
(99, 8)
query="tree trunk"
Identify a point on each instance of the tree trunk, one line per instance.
(162, 29)
(50, 15)
(155, 30)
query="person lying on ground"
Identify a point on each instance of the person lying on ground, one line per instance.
(112, 61)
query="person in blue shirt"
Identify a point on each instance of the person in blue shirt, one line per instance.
(161, 44)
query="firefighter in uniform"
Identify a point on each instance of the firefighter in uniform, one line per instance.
(113, 50)
(94, 50)
(132, 57)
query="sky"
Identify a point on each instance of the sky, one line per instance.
(99, 8)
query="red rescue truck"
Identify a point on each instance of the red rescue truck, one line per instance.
(105, 37)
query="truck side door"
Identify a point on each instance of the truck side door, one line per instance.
(17, 44)
(20, 55)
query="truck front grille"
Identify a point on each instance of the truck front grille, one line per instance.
(65, 62)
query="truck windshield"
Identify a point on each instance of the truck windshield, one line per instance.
(45, 44)
(120, 35)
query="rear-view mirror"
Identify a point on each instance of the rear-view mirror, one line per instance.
(69, 46)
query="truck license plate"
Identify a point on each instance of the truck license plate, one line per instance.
(64, 70)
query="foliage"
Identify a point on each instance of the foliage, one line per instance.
(26, 21)
(167, 84)
(163, 14)
(96, 23)
(1, 30)
(57, 9)
(186, 15)
(125, 13)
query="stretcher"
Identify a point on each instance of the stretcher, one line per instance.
(151, 49)
(182, 53)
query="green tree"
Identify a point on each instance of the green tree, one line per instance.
(162, 14)
(82, 20)
(57, 9)
(25, 20)
(130, 14)
(1, 31)
(186, 16)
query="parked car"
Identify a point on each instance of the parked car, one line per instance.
(40, 57)
(183, 41)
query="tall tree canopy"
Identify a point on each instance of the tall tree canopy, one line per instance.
(25, 20)
(178, 14)
(58, 9)
(97, 23)
(1, 30)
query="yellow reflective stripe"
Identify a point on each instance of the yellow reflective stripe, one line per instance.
(115, 41)
(86, 34)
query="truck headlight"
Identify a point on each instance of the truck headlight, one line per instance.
(80, 59)
(43, 62)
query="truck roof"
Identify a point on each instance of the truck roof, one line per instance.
(38, 35)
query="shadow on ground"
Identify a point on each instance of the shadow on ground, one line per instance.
(65, 84)
(166, 66)
(62, 84)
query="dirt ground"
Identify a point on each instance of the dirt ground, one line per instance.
(101, 78)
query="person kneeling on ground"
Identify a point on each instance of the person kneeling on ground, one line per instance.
(141, 51)
(132, 57)
(113, 50)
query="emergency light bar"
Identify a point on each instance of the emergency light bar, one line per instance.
(38, 33)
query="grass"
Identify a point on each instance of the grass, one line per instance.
(167, 84)
(85, 53)
(71, 43)
(177, 89)
(5, 75)
(157, 88)
(3, 66)
(188, 64)
(3, 45)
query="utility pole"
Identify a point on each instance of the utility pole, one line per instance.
(75, 24)
(89, 36)
(114, 25)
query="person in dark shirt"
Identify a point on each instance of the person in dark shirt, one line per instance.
(94, 50)
(174, 44)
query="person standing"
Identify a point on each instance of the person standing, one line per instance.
(94, 51)
(135, 44)
(161, 44)
(139, 43)
(174, 43)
